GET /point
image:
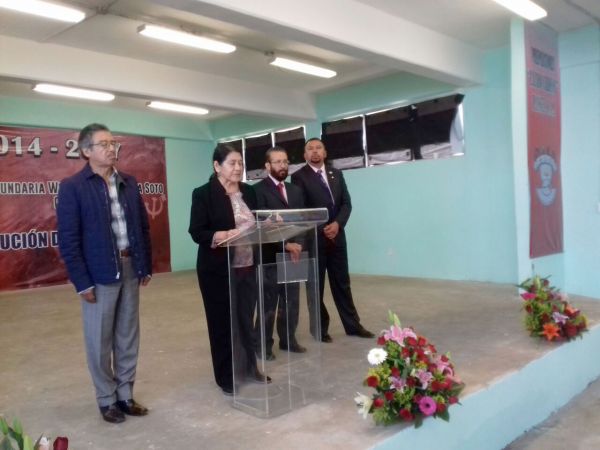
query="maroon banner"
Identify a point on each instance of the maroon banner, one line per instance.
(543, 120)
(32, 163)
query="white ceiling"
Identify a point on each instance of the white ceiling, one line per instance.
(360, 39)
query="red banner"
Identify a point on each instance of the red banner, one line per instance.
(33, 161)
(543, 120)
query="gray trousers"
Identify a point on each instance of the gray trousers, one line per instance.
(111, 329)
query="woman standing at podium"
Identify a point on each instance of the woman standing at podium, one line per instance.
(221, 209)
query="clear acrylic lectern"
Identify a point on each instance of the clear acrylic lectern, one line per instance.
(269, 313)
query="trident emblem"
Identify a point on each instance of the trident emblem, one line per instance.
(154, 210)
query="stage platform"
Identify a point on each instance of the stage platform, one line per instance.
(512, 381)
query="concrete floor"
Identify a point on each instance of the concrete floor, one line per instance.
(576, 426)
(44, 379)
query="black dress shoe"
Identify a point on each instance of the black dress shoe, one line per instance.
(326, 338)
(294, 348)
(227, 390)
(363, 333)
(112, 414)
(131, 407)
(260, 377)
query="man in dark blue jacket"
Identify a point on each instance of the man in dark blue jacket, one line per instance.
(104, 240)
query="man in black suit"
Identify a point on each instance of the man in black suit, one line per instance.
(324, 187)
(274, 193)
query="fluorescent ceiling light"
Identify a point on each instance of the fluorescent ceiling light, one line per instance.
(297, 66)
(524, 8)
(182, 38)
(177, 107)
(44, 9)
(66, 91)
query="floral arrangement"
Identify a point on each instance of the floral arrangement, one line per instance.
(411, 380)
(548, 313)
(13, 438)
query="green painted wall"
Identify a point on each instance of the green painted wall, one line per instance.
(449, 218)
(580, 84)
(441, 219)
(385, 92)
(77, 114)
(240, 125)
(189, 164)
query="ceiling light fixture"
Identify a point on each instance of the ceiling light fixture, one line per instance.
(524, 8)
(176, 107)
(66, 91)
(44, 9)
(187, 39)
(297, 66)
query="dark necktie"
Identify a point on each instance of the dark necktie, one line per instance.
(325, 186)
(330, 203)
(281, 189)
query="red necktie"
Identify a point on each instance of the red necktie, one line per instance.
(281, 189)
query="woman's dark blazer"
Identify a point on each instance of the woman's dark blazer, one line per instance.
(212, 212)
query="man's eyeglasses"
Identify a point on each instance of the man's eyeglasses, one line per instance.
(106, 144)
(283, 162)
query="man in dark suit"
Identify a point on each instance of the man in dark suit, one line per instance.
(274, 193)
(324, 187)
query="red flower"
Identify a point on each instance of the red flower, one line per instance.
(570, 330)
(570, 311)
(410, 382)
(440, 408)
(435, 386)
(422, 341)
(378, 402)
(372, 381)
(389, 395)
(405, 353)
(405, 414)
(432, 368)
(453, 400)
(61, 443)
(395, 372)
(528, 308)
(444, 358)
(411, 341)
(417, 398)
(380, 340)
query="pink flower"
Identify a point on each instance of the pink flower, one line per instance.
(528, 296)
(559, 318)
(424, 377)
(398, 334)
(427, 405)
(398, 383)
(443, 364)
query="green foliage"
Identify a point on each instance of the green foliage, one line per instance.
(13, 437)
(548, 313)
